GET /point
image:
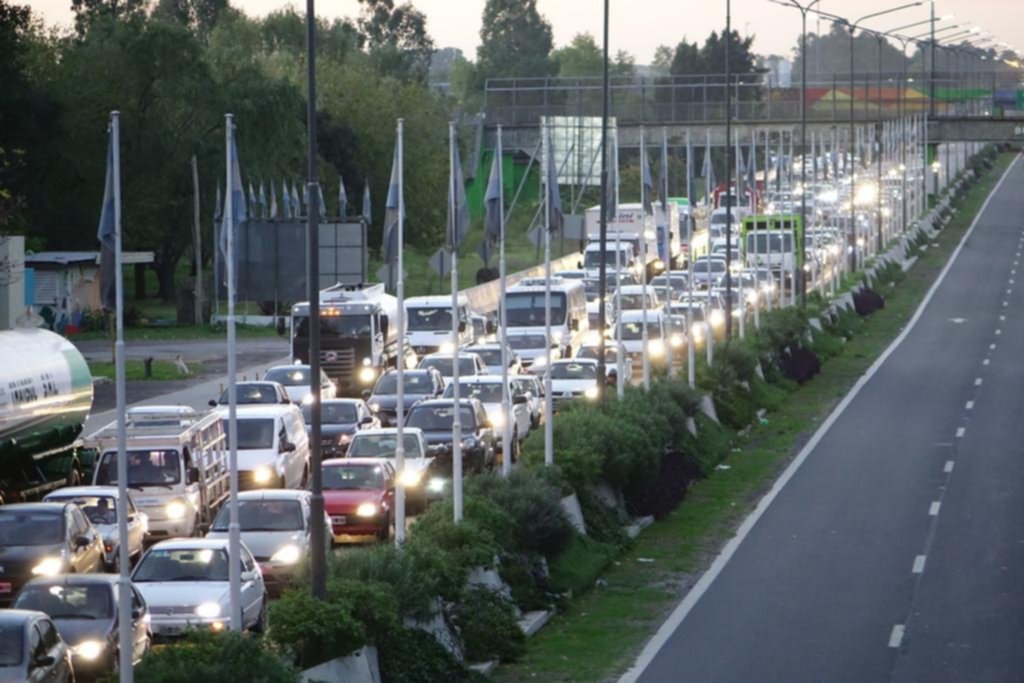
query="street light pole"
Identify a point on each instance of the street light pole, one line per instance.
(602, 370)
(731, 194)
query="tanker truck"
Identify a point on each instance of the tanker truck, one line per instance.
(45, 396)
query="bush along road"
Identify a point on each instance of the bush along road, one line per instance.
(456, 594)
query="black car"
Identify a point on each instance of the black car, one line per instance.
(84, 607)
(249, 393)
(435, 418)
(340, 418)
(45, 539)
(420, 385)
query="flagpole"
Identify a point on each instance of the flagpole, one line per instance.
(198, 241)
(620, 352)
(234, 533)
(456, 412)
(669, 256)
(691, 370)
(549, 436)
(124, 608)
(400, 364)
(644, 356)
(506, 407)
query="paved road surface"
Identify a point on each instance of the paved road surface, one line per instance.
(896, 552)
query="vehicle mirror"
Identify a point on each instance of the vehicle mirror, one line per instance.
(366, 420)
(193, 475)
(288, 447)
(82, 541)
(212, 403)
(43, 661)
(519, 400)
(367, 394)
(574, 325)
(137, 614)
(462, 326)
(246, 577)
(491, 327)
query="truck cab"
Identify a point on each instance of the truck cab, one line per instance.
(428, 324)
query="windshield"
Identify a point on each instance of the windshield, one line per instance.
(415, 383)
(253, 433)
(145, 468)
(719, 218)
(332, 413)
(429, 319)
(99, 509)
(571, 274)
(296, 376)
(591, 352)
(353, 478)
(334, 326)
(263, 515)
(634, 302)
(444, 366)
(526, 309)
(93, 601)
(11, 644)
(185, 564)
(487, 393)
(489, 356)
(633, 331)
(21, 527)
(662, 282)
(438, 418)
(526, 341)
(382, 446)
(708, 265)
(775, 242)
(592, 259)
(696, 312)
(252, 393)
(573, 371)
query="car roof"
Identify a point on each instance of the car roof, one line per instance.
(358, 462)
(77, 491)
(443, 401)
(436, 301)
(35, 507)
(328, 401)
(75, 580)
(19, 616)
(638, 316)
(264, 410)
(192, 543)
(481, 379)
(388, 431)
(274, 494)
(566, 361)
(462, 354)
(296, 366)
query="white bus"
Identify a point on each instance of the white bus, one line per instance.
(524, 311)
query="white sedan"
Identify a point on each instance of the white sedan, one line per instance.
(185, 584)
(573, 378)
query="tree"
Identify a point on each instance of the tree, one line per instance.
(581, 57)
(688, 59)
(198, 15)
(829, 55)
(397, 39)
(623, 66)
(88, 11)
(662, 63)
(515, 41)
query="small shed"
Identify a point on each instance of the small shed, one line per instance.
(66, 285)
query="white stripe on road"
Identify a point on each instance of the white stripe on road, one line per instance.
(970, 405)
(933, 511)
(977, 382)
(897, 635)
(999, 331)
(681, 610)
(949, 467)
(985, 362)
(992, 346)
(960, 432)
(918, 564)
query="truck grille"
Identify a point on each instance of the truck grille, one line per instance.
(338, 362)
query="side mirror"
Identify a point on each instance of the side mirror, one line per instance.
(193, 475)
(491, 327)
(82, 541)
(288, 447)
(212, 403)
(367, 394)
(246, 577)
(138, 613)
(366, 420)
(579, 265)
(462, 326)
(43, 661)
(518, 400)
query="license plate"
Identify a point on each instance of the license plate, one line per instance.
(5, 587)
(170, 630)
(338, 519)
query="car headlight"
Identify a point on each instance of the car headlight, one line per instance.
(497, 419)
(540, 361)
(367, 374)
(436, 484)
(208, 610)
(698, 332)
(88, 649)
(262, 475)
(366, 510)
(367, 362)
(446, 347)
(593, 337)
(307, 399)
(344, 439)
(175, 510)
(656, 347)
(469, 442)
(375, 407)
(717, 318)
(676, 341)
(591, 393)
(410, 478)
(288, 554)
(49, 566)
(556, 336)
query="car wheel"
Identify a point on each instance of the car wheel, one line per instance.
(513, 449)
(260, 626)
(305, 477)
(384, 534)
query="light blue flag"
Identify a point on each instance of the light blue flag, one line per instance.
(286, 202)
(107, 234)
(458, 206)
(253, 205)
(320, 197)
(273, 199)
(296, 205)
(663, 190)
(367, 206)
(218, 205)
(554, 196)
(342, 198)
(646, 182)
(389, 249)
(238, 202)
(710, 183)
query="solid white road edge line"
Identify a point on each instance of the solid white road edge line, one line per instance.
(970, 405)
(933, 511)
(897, 635)
(949, 467)
(677, 616)
(918, 567)
(960, 432)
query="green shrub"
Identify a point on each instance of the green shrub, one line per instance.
(488, 626)
(470, 543)
(372, 604)
(223, 657)
(581, 565)
(711, 444)
(741, 357)
(414, 583)
(413, 656)
(768, 396)
(825, 345)
(539, 524)
(299, 618)
(604, 523)
(530, 589)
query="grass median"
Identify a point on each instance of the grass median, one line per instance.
(134, 370)
(601, 631)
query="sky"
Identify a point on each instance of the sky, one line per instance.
(639, 26)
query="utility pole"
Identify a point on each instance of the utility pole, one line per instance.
(731, 194)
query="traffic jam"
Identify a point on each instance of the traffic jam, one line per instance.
(670, 282)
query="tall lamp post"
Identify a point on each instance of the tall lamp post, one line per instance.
(602, 370)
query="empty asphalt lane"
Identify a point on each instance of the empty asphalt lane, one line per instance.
(823, 586)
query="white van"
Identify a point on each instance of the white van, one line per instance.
(525, 311)
(617, 252)
(428, 324)
(177, 466)
(273, 447)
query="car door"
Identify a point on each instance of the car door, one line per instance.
(89, 557)
(252, 590)
(50, 645)
(301, 442)
(140, 626)
(136, 529)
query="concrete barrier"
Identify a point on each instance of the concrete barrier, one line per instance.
(359, 667)
(483, 298)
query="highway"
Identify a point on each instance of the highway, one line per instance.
(895, 550)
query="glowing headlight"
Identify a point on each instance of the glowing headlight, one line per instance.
(411, 361)
(307, 399)
(410, 478)
(593, 337)
(540, 361)
(556, 336)
(698, 332)
(656, 348)
(367, 362)
(88, 649)
(288, 554)
(367, 374)
(752, 297)
(175, 510)
(262, 475)
(366, 510)
(208, 610)
(591, 393)
(676, 341)
(497, 419)
(49, 566)
(375, 407)
(446, 347)
(436, 485)
(716, 317)
(344, 439)
(659, 265)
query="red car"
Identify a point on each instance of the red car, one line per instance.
(359, 496)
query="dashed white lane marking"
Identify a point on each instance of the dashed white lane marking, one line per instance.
(970, 405)
(1006, 303)
(1002, 318)
(992, 346)
(933, 511)
(999, 331)
(949, 467)
(960, 432)
(1009, 291)
(985, 362)
(918, 564)
(897, 635)
(977, 382)
(1011, 282)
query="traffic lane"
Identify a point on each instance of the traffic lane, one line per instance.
(815, 589)
(967, 620)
